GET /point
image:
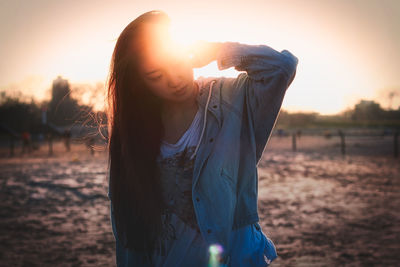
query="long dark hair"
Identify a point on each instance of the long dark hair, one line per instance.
(135, 131)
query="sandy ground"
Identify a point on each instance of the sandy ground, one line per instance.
(320, 208)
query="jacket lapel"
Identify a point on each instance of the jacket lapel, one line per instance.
(214, 109)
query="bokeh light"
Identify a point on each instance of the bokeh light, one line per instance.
(215, 252)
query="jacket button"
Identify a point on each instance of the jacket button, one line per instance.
(209, 231)
(215, 106)
(197, 199)
(211, 139)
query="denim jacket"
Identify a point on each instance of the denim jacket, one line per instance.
(239, 115)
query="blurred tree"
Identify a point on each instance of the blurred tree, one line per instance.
(389, 97)
(367, 110)
(393, 114)
(62, 109)
(297, 119)
(17, 115)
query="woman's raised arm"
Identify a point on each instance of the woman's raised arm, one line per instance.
(268, 73)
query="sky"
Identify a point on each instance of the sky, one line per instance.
(347, 49)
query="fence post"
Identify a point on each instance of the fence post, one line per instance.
(342, 142)
(395, 144)
(294, 142)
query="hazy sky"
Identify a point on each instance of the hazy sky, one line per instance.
(347, 49)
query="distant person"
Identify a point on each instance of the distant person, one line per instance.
(327, 134)
(281, 132)
(49, 137)
(183, 152)
(12, 144)
(26, 142)
(385, 132)
(298, 133)
(90, 141)
(67, 139)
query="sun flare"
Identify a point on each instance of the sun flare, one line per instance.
(182, 34)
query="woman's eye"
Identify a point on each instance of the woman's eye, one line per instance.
(156, 78)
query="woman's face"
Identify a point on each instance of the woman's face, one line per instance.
(163, 65)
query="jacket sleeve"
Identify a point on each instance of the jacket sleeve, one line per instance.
(268, 73)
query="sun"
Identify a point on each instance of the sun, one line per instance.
(182, 34)
(186, 38)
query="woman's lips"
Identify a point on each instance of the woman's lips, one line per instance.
(181, 91)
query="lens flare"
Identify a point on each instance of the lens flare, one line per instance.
(183, 38)
(215, 252)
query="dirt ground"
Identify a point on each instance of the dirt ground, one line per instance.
(320, 208)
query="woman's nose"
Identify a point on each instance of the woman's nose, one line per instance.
(175, 77)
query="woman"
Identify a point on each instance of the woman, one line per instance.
(183, 153)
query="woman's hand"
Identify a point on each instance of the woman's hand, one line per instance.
(203, 53)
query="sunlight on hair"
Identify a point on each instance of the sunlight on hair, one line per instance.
(215, 255)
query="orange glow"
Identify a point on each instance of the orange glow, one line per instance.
(347, 50)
